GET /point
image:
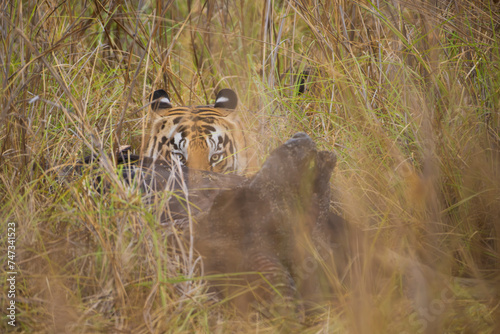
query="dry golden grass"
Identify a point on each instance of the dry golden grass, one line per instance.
(406, 92)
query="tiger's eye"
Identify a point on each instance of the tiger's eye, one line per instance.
(181, 158)
(215, 158)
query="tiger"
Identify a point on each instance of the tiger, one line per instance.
(209, 137)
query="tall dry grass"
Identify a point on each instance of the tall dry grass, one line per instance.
(406, 92)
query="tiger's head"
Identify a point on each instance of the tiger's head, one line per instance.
(200, 137)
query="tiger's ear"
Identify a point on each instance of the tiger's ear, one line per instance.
(160, 100)
(226, 98)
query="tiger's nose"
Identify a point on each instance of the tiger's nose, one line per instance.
(200, 163)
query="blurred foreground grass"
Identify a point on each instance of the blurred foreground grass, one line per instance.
(406, 93)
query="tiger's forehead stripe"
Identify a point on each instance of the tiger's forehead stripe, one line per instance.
(208, 112)
(189, 113)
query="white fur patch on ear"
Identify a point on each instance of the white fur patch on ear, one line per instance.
(221, 99)
(226, 98)
(160, 100)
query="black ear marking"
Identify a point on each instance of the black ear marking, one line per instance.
(160, 100)
(226, 98)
